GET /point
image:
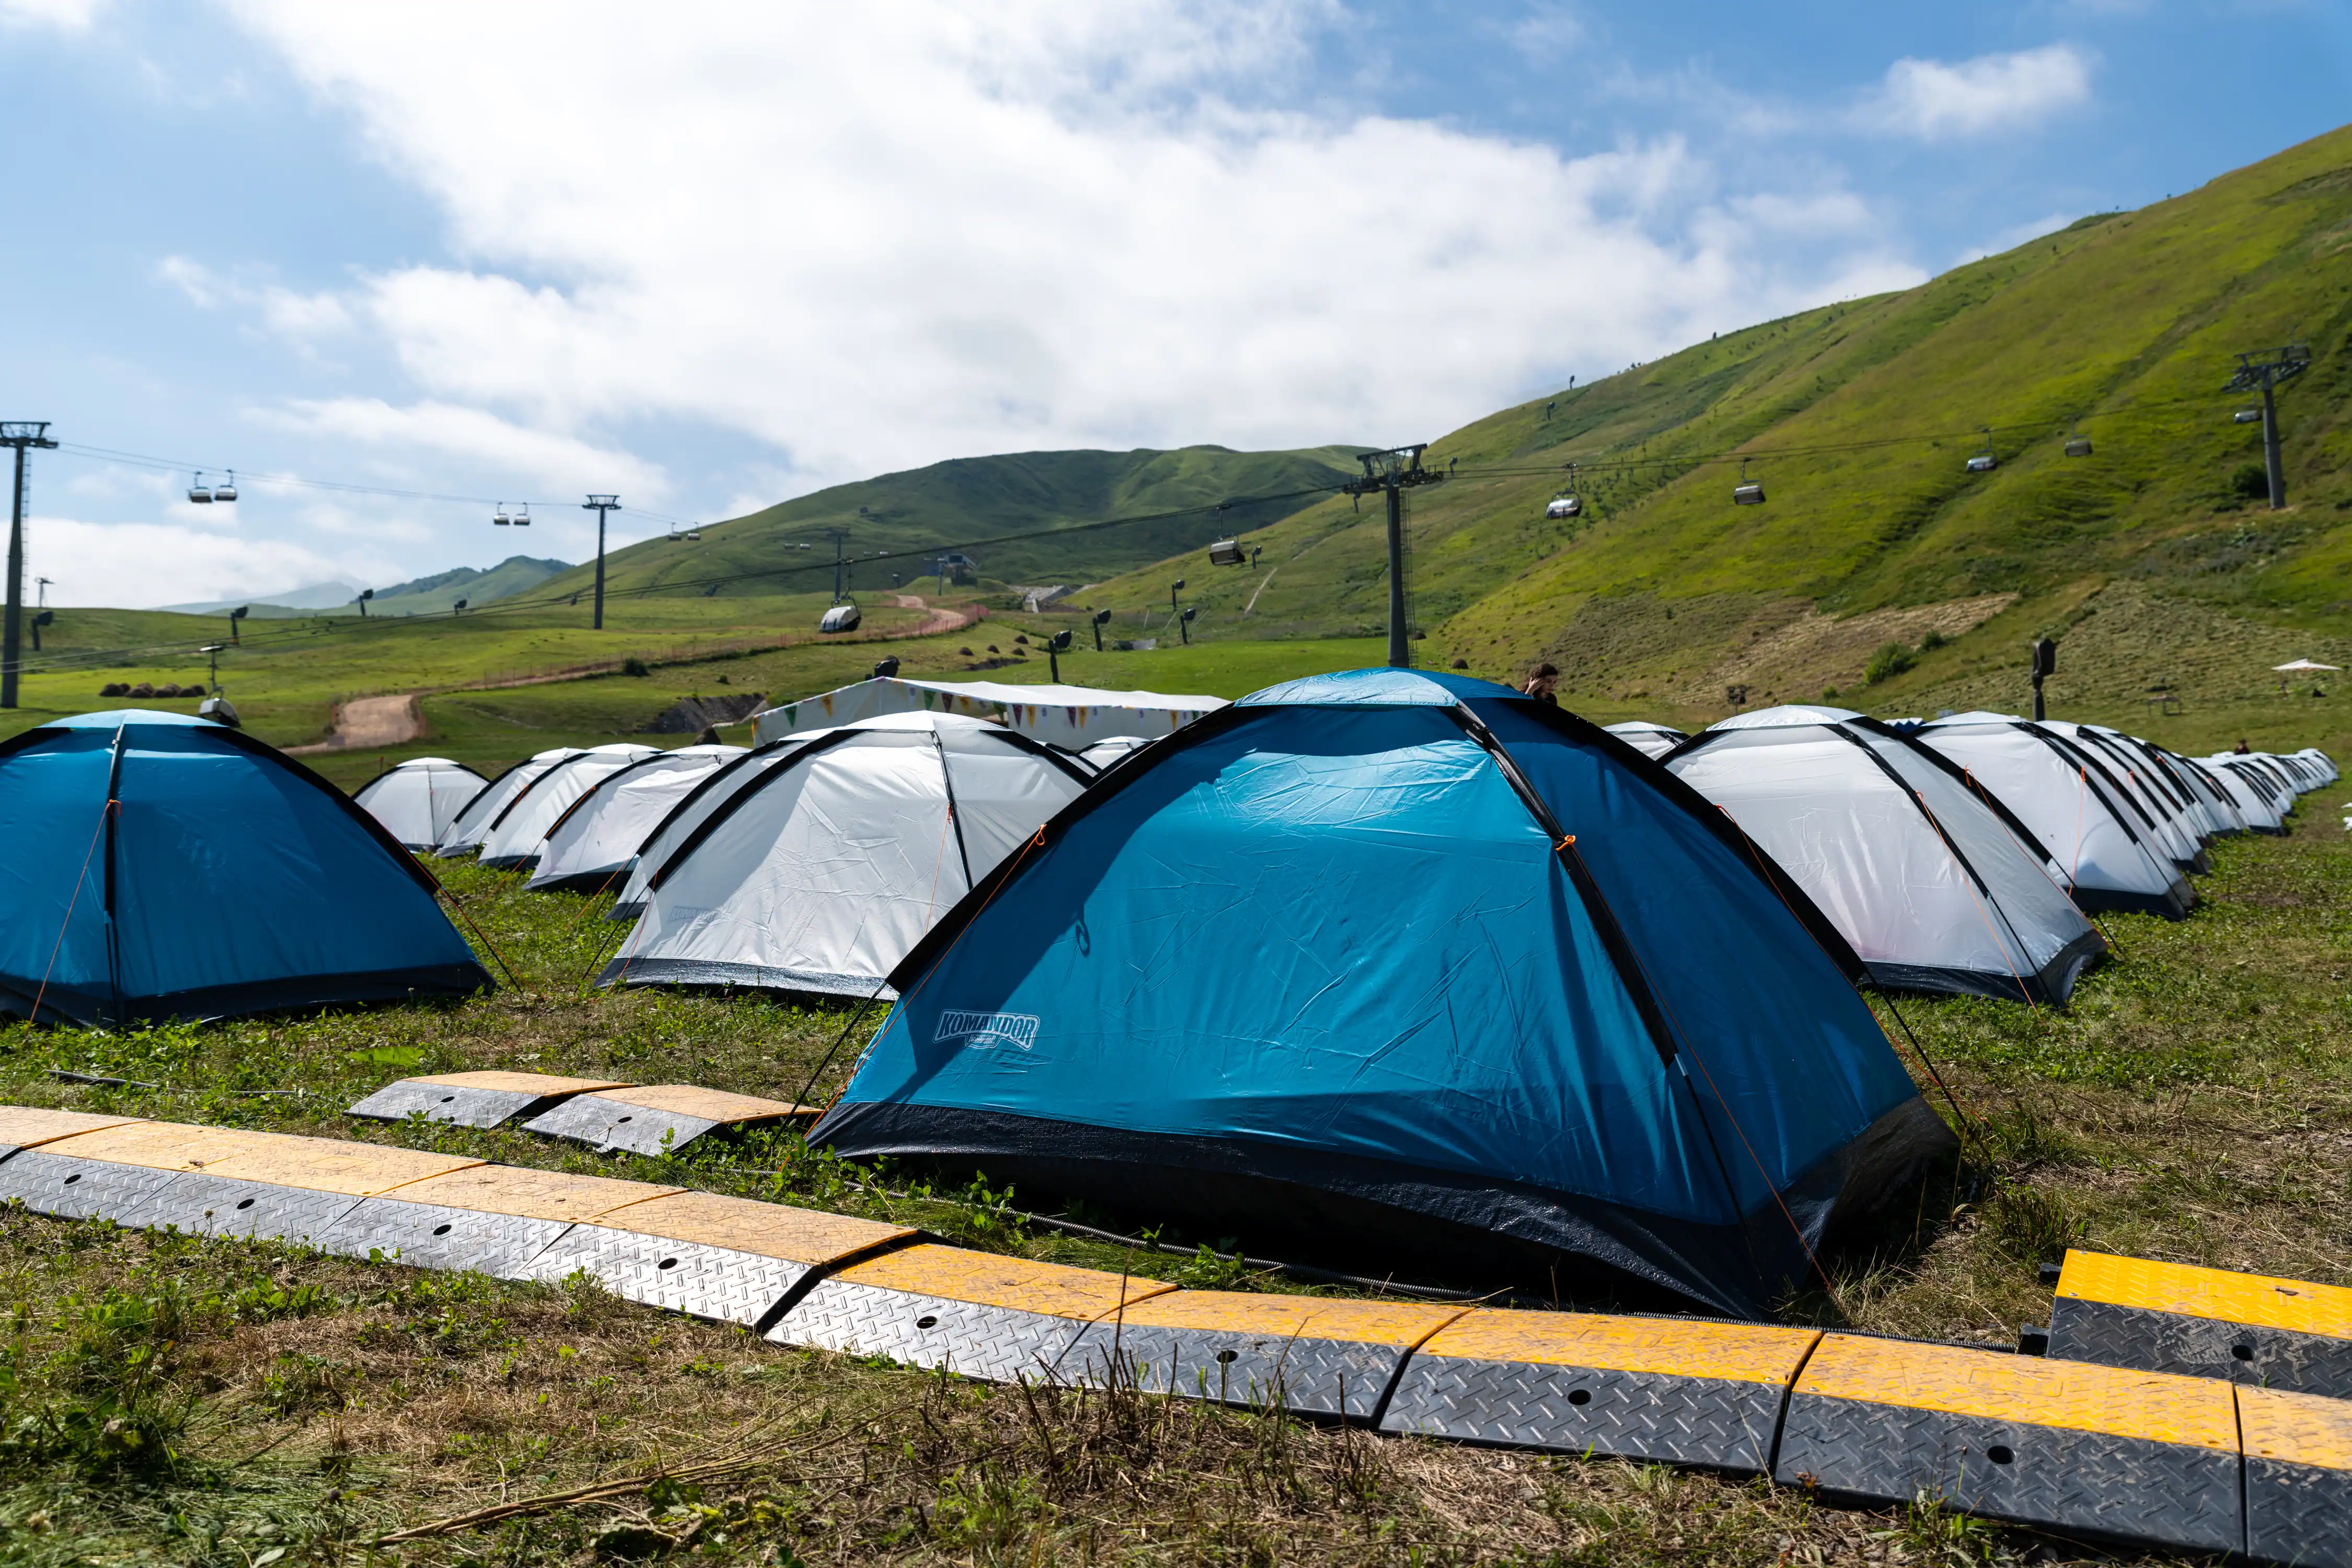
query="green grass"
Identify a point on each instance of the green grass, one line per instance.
(2195, 1103)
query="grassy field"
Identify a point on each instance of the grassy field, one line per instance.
(2195, 1103)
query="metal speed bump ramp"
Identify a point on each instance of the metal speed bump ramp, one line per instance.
(973, 1314)
(655, 1119)
(1295, 1352)
(210, 1181)
(709, 1256)
(2205, 1322)
(476, 1098)
(2298, 1477)
(492, 1219)
(1680, 1390)
(30, 1126)
(2069, 1445)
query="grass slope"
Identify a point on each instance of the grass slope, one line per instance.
(1858, 418)
(2194, 1104)
(948, 503)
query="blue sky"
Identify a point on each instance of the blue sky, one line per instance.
(709, 256)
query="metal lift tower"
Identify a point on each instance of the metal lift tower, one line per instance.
(2266, 369)
(1392, 473)
(22, 435)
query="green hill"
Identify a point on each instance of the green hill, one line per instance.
(436, 595)
(784, 548)
(1858, 418)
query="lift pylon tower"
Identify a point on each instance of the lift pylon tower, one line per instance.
(601, 506)
(21, 435)
(2266, 369)
(1393, 472)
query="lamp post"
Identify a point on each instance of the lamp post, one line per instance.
(1056, 647)
(2045, 663)
(1101, 619)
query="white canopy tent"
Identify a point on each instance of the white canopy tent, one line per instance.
(1650, 740)
(823, 871)
(418, 799)
(1933, 888)
(466, 832)
(597, 837)
(2071, 810)
(513, 835)
(1070, 717)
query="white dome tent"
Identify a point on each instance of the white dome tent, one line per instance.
(1650, 740)
(1923, 876)
(2156, 814)
(823, 870)
(597, 837)
(466, 832)
(513, 838)
(418, 799)
(1117, 749)
(2188, 808)
(2322, 765)
(2256, 798)
(2087, 832)
(707, 794)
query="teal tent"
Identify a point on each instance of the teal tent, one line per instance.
(163, 866)
(1416, 971)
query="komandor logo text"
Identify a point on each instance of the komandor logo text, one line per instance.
(958, 1027)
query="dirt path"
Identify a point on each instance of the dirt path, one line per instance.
(366, 722)
(940, 620)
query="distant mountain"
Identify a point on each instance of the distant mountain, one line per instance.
(439, 592)
(294, 601)
(784, 549)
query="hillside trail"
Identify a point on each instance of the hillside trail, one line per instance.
(939, 620)
(363, 721)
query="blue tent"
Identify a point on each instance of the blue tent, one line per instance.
(163, 866)
(1419, 968)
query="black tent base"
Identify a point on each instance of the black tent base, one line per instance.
(1419, 1226)
(2173, 904)
(2050, 986)
(294, 994)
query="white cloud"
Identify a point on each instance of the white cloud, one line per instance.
(71, 16)
(549, 461)
(1548, 32)
(1936, 102)
(141, 564)
(877, 235)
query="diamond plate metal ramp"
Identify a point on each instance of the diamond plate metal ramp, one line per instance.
(326, 1164)
(1294, 1352)
(2298, 1477)
(973, 1314)
(224, 1206)
(2203, 1322)
(70, 1187)
(476, 1098)
(656, 1119)
(1683, 1391)
(493, 1219)
(2139, 1455)
(29, 1126)
(729, 1259)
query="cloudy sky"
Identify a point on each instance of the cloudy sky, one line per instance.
(710, 256)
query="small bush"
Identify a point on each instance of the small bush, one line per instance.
(1933, 641)
(1888, 663)
(2252, 482)
(635, 666)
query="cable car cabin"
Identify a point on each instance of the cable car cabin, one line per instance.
(228, 491)
(694, 534)
(1225, 552)
(500, 517)
(1749, 494)
(522, 516)
(1563, 505)
(198, 492)
(2242, 416)
(1983, 463)
(840, 618)
(2078, 445)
